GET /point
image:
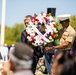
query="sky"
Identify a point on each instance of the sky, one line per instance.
(16, 10)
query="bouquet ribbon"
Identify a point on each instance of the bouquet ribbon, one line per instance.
(40, 34)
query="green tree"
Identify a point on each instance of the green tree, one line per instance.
(16, 30)
(13, 35)
(9, 35)
(73, 21)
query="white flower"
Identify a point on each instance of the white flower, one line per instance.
(50, 37)
(28, 38)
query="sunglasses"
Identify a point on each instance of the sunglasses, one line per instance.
(62, 22)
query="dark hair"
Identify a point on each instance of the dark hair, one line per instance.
(64, 57)
(69, 68)
(28, 16)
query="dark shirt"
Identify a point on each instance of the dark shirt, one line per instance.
(38, 51)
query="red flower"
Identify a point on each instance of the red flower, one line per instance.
(47, 15)
(39, 23)
(27, 34)
(34, 19)
(45, 19)
(33, 39)
(54, 25)
(52, 20)
(35, 34)
(42, 39)
(52, 35)
(42, 44)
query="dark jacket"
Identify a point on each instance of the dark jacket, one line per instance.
(37, 50)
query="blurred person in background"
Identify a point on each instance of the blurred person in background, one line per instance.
(12, 47)
(4, 52)
(59, 62)
(20, 60)
(69, 68)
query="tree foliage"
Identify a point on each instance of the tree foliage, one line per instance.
(73, 22)
(13, 35)
(16, 30)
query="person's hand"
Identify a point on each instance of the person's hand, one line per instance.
(48, 48)
(6, 67)
(32, 50)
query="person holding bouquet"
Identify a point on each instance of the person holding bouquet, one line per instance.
(66, 35)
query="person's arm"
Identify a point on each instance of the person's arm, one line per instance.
(62, 46)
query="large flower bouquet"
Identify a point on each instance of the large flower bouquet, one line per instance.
(34, 36)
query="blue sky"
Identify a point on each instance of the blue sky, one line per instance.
(16, 10)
